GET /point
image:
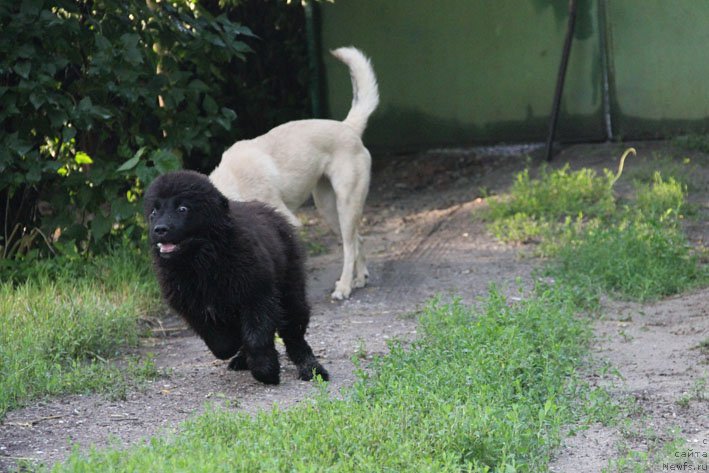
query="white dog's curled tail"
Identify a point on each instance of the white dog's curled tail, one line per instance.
(365, 93)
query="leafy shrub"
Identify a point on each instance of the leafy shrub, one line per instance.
(97, 97)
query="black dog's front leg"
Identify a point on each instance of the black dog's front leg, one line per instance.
(258, 329)
(223, 341)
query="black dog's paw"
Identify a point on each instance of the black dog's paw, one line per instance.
(238, 363)
(308, 372)
(264, 365)
(267, 376)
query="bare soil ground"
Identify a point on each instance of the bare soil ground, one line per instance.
(422, 240)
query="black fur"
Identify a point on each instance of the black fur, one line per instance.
(235, 274)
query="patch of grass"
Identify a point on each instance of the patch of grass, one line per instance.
(661, 451)
(637, 251)
(698, 392)
(60, 330)
(704, 347)
(693, 141)
(482, 390)
(683, 170)
(312, 237)
(545, 210)
(557, 194)
(661, 199)
(635, 259)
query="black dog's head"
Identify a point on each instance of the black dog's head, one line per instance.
(180, 208)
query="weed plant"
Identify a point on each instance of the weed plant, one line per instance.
(482, 390)
(558, 194)
(661, 200)
(636, 251)
(634, 259)
(66, 320)
(695, 141)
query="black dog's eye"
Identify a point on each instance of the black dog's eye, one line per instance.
(182, 209)
(154, 212)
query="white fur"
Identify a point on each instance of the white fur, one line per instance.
(322, 157)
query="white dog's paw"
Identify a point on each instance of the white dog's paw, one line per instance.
(341, 292)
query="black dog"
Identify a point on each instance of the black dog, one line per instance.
(234, 271)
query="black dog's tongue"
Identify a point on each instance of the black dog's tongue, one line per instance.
(167, 247)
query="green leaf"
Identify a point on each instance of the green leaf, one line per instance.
(130, 164)
(68, 133)
(37, 100)
(131, 50)
(83, 158)
(100, 226)
(23, 69)
(165, 161)
(102, 43)
(210, 105)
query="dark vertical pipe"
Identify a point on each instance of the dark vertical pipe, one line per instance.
(604, 32)
(312, 35)
(560, 77)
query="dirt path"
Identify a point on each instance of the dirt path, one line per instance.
(421, 241)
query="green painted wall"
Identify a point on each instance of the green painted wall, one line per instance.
(659, 53)
(457, 72)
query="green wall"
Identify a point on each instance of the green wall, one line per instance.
(458, 72)
(659, 53)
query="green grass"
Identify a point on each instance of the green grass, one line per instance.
(557, 194)
(661, 199)
(684, 170)
(695, 142)
(637, 251)
(484, 389)
(63, 324)
(548, 210)
(634, 259)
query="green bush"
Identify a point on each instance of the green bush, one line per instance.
(97, 97)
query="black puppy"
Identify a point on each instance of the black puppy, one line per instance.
(234, 271)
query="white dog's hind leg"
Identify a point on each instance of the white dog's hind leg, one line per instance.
(326, 203)
(343, 287)
(361, 271)
(350, 203)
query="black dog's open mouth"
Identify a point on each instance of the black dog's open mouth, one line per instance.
(166, 249)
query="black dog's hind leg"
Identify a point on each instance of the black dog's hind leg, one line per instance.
(292, 331)
(258, 329)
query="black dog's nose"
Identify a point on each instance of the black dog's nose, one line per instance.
(160, 230)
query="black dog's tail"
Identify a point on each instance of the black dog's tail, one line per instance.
(365, 92)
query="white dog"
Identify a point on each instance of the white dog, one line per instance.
(322, 157)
